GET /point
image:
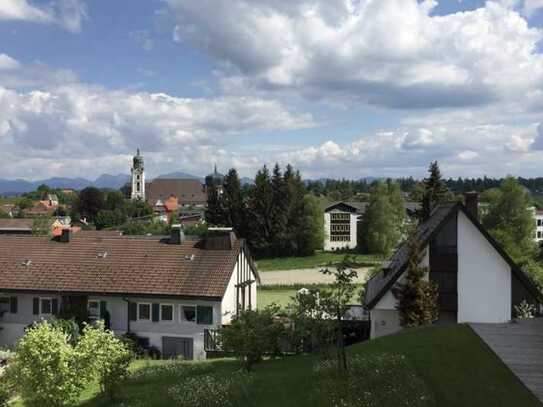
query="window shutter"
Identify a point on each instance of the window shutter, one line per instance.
(133, 311)
(13, 305)
(36, 306)
(156, 312)
(103, 309)
(54, 306)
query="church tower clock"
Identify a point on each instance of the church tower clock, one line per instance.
(138, 177)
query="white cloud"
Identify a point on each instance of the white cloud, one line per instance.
(143, 39)
(530, 7)
(467, 155)
(393, 53)
(66, 13)
(7, 62)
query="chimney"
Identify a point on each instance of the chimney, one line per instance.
(471, 201)
(66, 235)
(177, 235)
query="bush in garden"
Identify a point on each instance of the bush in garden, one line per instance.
(106, 355)
(212, 390)
(525, 310)
(372, 381)
(47, 371)
(253, 334)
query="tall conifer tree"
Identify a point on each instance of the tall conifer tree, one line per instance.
(435, 191)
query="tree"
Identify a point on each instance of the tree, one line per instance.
(253, 334)
(43, 190)
(383, 222)
(137, 209)
(108, 218)
(114, 200)
(435, 191)
(234, 205)
(417, 298)
(279, 212)
(509, 220)
(298, 231)
(90, 202)
(335, 301)
(41, 226)
(216, 212)
(46, 370)
(109, 357)
(260, 212)
(311, 229)
(24, 203)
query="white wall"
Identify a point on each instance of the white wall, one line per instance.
(13, 324)
(242, 272)
(328, 244)
(484, 278)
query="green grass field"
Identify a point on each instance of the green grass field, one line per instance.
(320, 259)
(457, 367)
(282, 295)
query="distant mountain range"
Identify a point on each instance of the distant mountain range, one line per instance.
(104, 181)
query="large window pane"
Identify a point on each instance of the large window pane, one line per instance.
(45, 306)
(166, 312)
(4, 305)
(205, 315)
(144, 311)
(189, 313)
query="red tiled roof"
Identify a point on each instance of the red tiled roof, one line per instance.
(187, 191)
(118, 265)
(16, 224)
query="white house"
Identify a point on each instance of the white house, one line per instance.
(171, 292)
(477, 280)
(341, 222)
(538, 219)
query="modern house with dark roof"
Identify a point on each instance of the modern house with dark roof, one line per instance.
(477, 280)
(171, 292)
(341, 223)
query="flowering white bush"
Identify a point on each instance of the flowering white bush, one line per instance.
(371, 381)
(106, 356)
(47, 370)
(50, 371)
(525, 310)
(212, 390)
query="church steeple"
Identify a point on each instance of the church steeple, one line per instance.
(138, 177)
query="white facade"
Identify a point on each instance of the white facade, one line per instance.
(346, 240)
(484, 277)
(538, 219)
(177, 326)
(483, 284)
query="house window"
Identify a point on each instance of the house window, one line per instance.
(46, 306)
(4, 305)
(539, 235)
(166, 312)
(94, 309)
(144, 312)
(204, 315)
(188, 313)
(539, 222)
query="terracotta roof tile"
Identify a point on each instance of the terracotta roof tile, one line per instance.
(118, 265)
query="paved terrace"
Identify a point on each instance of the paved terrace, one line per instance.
(520, 346)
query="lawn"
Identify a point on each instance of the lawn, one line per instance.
(455, 364)
(319, 259)
(282, 294)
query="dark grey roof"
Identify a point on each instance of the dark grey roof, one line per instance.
(377, 286)
(360, 207)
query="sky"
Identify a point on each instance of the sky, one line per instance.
(337, 88)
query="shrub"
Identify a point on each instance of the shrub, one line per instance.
(376, 380)
(46, 370)
(107, 356)
(213, 390)
(252, 334)
(525, 310)
(5, 393)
